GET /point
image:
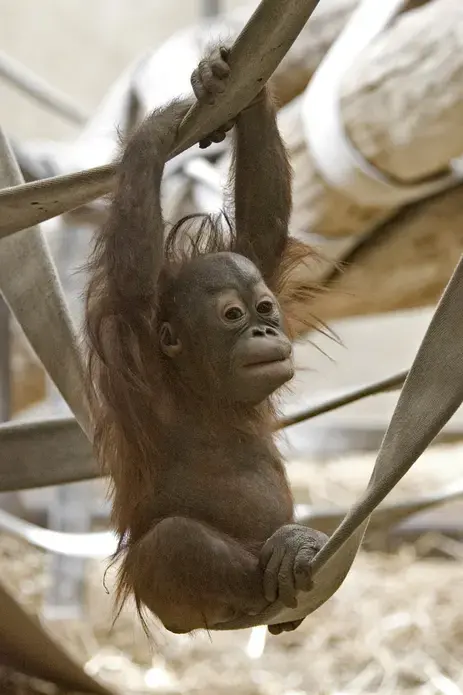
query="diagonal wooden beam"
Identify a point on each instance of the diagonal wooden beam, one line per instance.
(27, 646)
(257, 51)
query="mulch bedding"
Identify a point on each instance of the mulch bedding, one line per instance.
(395, 626)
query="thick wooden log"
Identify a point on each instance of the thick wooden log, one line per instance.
(404, 264)
(291, 76)
(402, 107)
(299, 64)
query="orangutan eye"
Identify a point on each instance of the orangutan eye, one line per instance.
(265, 307)
(234, 313)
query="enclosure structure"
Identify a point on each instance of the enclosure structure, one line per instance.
(57, 452)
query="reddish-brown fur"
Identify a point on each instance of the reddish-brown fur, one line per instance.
(198, 485)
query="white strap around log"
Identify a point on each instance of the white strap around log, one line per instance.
(95, 545)
(340, 164)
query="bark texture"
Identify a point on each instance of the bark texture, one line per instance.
(402, 107)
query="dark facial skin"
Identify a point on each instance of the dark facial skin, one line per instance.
(184, 357)
(228, 315)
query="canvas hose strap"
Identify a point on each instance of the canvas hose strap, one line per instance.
(431, 394)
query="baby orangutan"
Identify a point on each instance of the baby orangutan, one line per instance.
(187, 345)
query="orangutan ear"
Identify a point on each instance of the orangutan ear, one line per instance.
(170, 344)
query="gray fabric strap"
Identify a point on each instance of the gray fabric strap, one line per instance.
(30, 285)
(431, 394)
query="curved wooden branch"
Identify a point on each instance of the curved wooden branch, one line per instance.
(255, 54)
